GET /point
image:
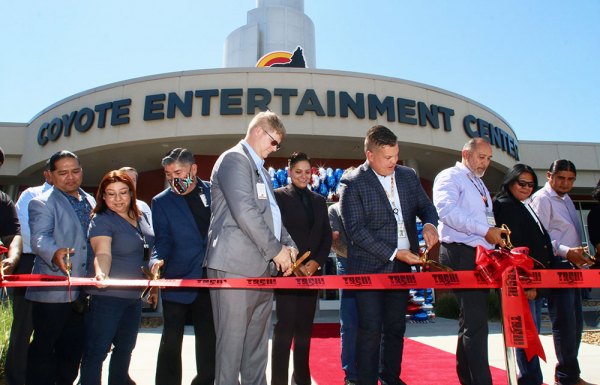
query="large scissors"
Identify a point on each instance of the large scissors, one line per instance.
(296, 265)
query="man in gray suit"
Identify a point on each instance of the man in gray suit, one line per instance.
(59, 221)
(245, 238)
(380, 201)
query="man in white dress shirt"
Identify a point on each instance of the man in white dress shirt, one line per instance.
(464, 206)
(556, 211)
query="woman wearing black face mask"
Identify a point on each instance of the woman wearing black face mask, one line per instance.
(304, 215)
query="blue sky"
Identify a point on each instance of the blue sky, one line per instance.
(536, 63)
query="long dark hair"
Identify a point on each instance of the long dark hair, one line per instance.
(512, 176)
(114, 177)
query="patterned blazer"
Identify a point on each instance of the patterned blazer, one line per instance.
(370, 222)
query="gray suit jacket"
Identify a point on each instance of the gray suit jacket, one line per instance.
(54, 225)
(240, 237)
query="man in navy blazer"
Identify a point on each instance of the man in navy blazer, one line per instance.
(59, 221)
(380, 202)
(180, 216)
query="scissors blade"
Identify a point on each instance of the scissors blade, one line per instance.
(300, 260)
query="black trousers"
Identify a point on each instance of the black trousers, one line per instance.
(55, 352)
(21, 329)
(295, 314)
(168, 367)
(472, 364)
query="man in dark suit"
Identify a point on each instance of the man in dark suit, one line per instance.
(59, 220)
(181, 216)
(380, 202)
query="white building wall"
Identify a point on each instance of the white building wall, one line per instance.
(585, 156)
(281, 26)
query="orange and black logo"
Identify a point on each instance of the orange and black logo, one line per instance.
(283, 59)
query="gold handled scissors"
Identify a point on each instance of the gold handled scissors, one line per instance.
(299, 261)
(423, 253)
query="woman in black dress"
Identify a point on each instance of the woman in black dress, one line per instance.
(304, 215)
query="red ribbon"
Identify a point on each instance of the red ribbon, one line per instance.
(467, 279)
(508, 268)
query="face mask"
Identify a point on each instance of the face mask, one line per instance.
(180, 185)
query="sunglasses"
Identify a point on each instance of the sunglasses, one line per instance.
(523, 183)
(273, 141)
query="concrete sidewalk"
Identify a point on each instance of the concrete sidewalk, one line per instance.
(440, 334)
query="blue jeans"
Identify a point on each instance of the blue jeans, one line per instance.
(348, 325)
(531, 373)
(380, 340)
(110, 321)
(566, 315)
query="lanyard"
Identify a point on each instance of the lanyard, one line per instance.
(138, 229)
(480, 190)
(392, 197)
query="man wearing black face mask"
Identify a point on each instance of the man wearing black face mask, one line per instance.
(181, 215)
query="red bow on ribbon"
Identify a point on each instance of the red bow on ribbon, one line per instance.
(509, 267)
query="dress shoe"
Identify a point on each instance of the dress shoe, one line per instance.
(583, 382)
(580, 382)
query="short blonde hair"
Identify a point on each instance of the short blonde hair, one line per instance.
(270, 119)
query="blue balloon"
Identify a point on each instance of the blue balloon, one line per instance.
(281, 176)
(420, 316)
(323, 190)
(275, 183)
(331, 183)
(338, 174)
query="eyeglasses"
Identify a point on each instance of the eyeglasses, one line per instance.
(114, 195)
(273, 141)
(523, 183)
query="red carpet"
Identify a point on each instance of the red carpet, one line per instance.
(421, 364)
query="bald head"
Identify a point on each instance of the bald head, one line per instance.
(477, 155)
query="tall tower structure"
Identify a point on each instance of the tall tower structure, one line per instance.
(274, 25)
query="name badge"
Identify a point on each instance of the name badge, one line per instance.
(261, 190)
(490, 218)
(401, 230)
(204, 200)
